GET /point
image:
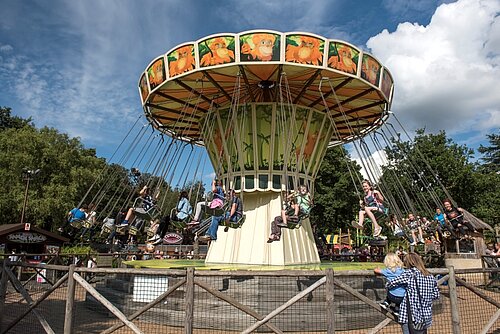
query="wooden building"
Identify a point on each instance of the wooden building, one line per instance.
(29, 239)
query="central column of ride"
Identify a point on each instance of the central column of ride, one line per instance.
(261, 150)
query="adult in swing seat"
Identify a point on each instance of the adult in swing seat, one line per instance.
(234, 215)
(297, 207)
(146, 208)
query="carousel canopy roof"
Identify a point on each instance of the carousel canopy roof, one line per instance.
(180, 87)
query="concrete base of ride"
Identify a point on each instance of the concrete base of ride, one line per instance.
(248, 243)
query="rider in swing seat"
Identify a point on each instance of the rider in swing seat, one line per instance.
(148, 202)
(217, 201)
(455, 217)
(75, 218)
(372, 203)
(301, 204)
(183, 210)
(234, 215)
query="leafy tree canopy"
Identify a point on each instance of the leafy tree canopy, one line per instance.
(7, 121)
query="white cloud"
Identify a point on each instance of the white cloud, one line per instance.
(5, 48)
(447, 73)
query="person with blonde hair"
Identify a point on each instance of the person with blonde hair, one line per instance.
(421, 290)
(393, 268)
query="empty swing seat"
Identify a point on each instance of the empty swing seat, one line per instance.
(140, 211)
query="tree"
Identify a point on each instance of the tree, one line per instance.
(335, 198)
(487, 204)
(67, 171)
(7, 121)
(491, 154)
(429, 169)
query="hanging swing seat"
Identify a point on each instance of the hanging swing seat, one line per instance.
(121, 230)
(108, 226)
(88, 224)
(231, 224)
(293, 221)
(380, 216)
(152, 229)
(179, 224)
(136, 227)
(140, 211)
(76, 223)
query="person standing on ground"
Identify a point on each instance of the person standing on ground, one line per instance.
(421, 291)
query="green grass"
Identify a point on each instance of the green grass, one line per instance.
(200, 265)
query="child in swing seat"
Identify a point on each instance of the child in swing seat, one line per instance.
(394, 268)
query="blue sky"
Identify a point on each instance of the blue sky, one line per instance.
(74, 65)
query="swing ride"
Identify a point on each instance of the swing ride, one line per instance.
(265, 105)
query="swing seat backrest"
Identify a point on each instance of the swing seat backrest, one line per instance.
(87, 224)
(152, 230)
(108, 226)
(293, 222)
(148, 214)
(76, 223)
(122, 230)
(133, 230)
(235, 224)
(179, 224)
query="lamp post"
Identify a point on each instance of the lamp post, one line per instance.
(28, 174)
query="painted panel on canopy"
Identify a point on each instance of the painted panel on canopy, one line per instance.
(181, 60)
(260, 46)
(156, 73)
(343, 57)
(325, 136)
(212, 136)
(227, 136)
(245, 126)
(313, 136)
(264, 116)
(143, 86)
(216, 51)
(283, 137)
(304, 49)
(370, 70)
(299, 126)
(386, 84)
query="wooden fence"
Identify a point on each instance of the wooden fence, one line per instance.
(328, 282)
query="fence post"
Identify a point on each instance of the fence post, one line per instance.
(330, 299)
(455, 316)
(3, 288)
(70, 301)
(189, 297)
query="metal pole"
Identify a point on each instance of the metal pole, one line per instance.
(25, 198)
